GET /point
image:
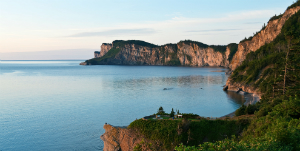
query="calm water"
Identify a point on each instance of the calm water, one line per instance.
(59, 105)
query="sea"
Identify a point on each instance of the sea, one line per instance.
(60, 105)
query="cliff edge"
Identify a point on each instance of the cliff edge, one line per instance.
(118, 138)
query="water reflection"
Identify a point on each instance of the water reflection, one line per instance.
(181, 81)
(235, 97)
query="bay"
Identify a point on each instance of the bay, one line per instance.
(59, 105)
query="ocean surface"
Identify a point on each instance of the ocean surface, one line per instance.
(60, 105)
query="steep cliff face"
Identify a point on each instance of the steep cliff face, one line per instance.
(185, 53)
(265, 36)
(123, 139)
(193, 55)
(105, 47)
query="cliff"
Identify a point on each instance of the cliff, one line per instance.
(266, 35)
(165, 135)
(184, 53)
(123, 139)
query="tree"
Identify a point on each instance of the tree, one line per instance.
(172, 113)
(161, 110)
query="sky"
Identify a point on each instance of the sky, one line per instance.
(74, 29)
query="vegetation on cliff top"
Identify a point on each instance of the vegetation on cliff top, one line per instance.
(122, 43)
(173, 132)
(233, 49)
(218, 48)
(297, 3)
(110, 54)
(279, 130)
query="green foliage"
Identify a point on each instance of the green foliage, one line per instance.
(288, 108)
(265, 66)
(219, 48)
(233, 49)
(244, 110)
(160, 111)
(254, 34)
(163, 130)
(110, 54)
(297, 3)
(189, 115)
(190, 42)
(275, 17)
(172, 113)
(275, 70)
(279, 130)
(177, 111)
(143, 146)
(173, 132)
(122, 43)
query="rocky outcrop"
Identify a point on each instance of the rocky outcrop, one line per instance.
(82, 63)
(104, 49)
(96, 54)
(254, 95)
(194, 55)
(122, 139)
(266, 35)
(184, 53)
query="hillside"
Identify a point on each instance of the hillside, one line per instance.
(273, 71)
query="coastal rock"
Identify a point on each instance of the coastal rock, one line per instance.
(244, 89)
(119, 138)
(105, 47)
(185, 53)
(83, 63)
(266, 35)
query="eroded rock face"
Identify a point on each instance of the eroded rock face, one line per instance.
(82, 63)
(120, 138)
(202, 56)
(186, 54)
(105, 47)
(265, 36)
(253, 97)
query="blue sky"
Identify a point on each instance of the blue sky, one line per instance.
(56, 26)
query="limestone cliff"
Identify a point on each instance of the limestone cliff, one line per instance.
(265, 36)
(123, 139)
(184, 53)
(271, 31)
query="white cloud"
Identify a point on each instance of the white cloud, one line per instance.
(175, 24)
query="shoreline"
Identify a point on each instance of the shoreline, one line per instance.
(250, 98)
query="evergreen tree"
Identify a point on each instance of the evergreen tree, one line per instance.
(161, 110)
(172, 113)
